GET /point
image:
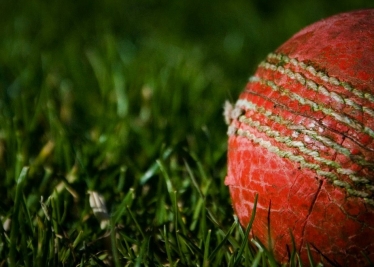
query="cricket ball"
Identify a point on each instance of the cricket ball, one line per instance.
(301, 137)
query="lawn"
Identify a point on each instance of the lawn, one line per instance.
(120, 102)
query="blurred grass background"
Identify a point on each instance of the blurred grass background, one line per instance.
(125, 98)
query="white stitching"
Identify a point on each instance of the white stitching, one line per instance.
(328, 111)
(242, 103)
(288, 141)
(305, 164)
(324, 76)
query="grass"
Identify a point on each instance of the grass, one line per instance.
(125, 100)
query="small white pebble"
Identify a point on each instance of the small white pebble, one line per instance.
(99, 209)
(227, 109)
(6, 224)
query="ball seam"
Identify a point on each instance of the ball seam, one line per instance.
(323, 75)
(353, 123)
(305, 164)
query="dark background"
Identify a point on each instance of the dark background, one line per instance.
(234, 34)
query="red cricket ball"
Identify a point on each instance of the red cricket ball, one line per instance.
(301, 136)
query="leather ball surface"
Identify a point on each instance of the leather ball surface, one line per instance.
(301, 136)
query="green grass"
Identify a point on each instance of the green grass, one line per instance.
(125, 99)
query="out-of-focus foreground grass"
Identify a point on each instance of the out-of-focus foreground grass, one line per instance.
(124, 99)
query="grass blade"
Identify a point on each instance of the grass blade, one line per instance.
(257, 259)
(123, 206)
(224, 240)
(155, 167)
(206, 262)
(167, 247)
(113, 241)
(310, 257)
(135, 222)
(17, 217)
(246, 234)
